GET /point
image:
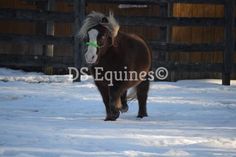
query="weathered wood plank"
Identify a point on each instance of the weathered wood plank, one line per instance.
(156, 45)
(181, 67)
(191, 67)
(145, 1)
(35, 61)
(180, 47)
(64, 62)
(39, 39)
(32, 15)
(157, 1)
(171, 21)
(229, 41)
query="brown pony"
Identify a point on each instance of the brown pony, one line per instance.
(109, 52)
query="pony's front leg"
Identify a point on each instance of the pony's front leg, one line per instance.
(103, 89)
(114, 103)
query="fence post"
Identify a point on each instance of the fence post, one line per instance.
(79, 11)
(172, 74)
(166, 10)
(229, 41)
(48, 51)
(163, 29)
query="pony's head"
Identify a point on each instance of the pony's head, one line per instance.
(98, 33)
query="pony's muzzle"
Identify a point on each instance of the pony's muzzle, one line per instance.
(91, 58)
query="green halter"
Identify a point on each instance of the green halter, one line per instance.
(93, 44)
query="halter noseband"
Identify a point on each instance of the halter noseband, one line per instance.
(93, 44)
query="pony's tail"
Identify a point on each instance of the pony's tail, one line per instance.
(132, 94)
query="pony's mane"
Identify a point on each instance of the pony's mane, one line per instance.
(95, 18)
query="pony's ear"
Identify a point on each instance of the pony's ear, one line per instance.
(104, 20)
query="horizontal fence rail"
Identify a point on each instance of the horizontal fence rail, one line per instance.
(155, 45)
(35, 15)
(35, 61)
(143, 1)
(36, 39)
(193, 67)
(186, 47)
(65, 62)
(170, 21)
(32, 15)
(158, 1)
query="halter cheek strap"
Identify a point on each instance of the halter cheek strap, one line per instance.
(93, 44)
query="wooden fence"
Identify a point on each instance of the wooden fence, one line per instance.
(165, 21)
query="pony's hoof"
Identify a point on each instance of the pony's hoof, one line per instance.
(142, 115)
(112, 117)
(124, 109)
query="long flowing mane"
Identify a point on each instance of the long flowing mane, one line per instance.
(96, 18)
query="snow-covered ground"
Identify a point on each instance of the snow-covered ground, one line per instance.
(49, 116)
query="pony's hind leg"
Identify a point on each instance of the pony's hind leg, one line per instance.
(123, 98)
(142, 94)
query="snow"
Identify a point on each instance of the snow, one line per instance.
(49, 116)
(32, 77)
